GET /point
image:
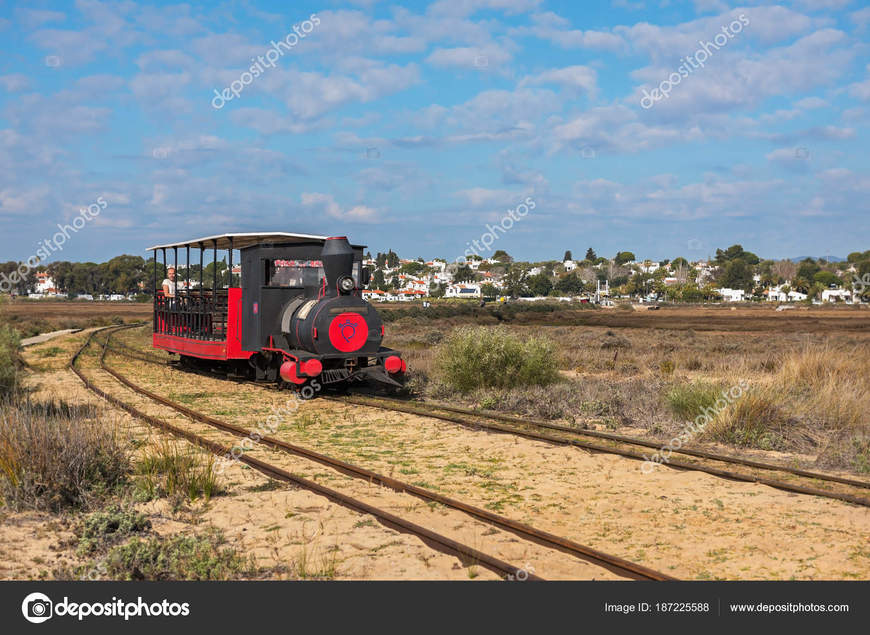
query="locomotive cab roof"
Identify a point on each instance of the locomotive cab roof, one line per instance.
(242, 241)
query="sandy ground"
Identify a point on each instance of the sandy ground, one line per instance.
(690, 525)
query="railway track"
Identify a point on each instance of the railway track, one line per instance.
(801, 481)
(610, 562)
(840, 488)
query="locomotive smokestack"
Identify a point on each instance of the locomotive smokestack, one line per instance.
(337, 257)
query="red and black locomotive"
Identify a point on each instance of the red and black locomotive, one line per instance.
(296, 316)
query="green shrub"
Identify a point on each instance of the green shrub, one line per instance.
(180, 557)
(478, 357)
(53, 455)
(109, 526)
(687, 401)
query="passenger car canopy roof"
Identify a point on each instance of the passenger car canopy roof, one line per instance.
(240, 241)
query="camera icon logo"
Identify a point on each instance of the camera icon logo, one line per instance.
(37, 608)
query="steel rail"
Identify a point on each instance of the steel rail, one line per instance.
(538, 423)
(540, 436)
(546, 539)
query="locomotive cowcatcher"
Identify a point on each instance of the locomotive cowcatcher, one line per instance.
(296, 317)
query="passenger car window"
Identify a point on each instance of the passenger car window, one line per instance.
(295, 273)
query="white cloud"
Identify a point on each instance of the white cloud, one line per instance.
(810, 103)
(861, 90)
(14, 83)
(326, 204)
(268, 121)
(165, 60)
(734, 79)
(309, 95)
(861, 17)
(578, 77)
(21, 202)
(483, 197)
(795, 159)
(32, 18)
(469, 7)
(665, 200)
(614, 129)
(552, 27)
(479, 58)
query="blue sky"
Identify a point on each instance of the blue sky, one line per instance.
(412, 126)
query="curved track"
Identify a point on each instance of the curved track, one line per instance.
(550, 541)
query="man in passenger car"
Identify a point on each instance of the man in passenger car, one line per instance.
(169, 283)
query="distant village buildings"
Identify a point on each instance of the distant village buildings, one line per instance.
(599, 280)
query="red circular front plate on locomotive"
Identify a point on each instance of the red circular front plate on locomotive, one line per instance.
(348, 332)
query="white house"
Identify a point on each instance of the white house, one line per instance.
(407, 295)
(732, 295)
(44, 283)
(462, 290)
(776, 294)
(796, 296)
(836, 295)
(373, 295)
(438, 264)
(569, 265)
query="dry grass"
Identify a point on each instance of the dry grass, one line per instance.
(9, 361)
(816, 402)
(169, 469)
(31, 317)
(53, 456)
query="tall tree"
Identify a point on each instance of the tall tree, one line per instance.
(539, 284)
(464, 273)
(590, 255)
(808, 268)
(567, 256)
(502, 256)
(735, 252)
(623, 257)
(569, 284)
(736, 275)
(785, 270)
(514, 281)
